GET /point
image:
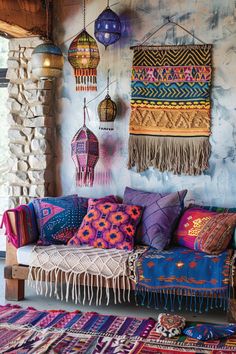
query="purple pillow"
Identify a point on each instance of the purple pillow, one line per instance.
(160, 215)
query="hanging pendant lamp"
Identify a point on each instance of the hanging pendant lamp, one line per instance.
(107, 110)
(47, 59)
(83, 55)
(85, 154)
(107, 27)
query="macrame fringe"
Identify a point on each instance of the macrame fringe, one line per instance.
(64, 285)
(85, 177)
(86, 79)
(106, 125)
(190, 300)
(180, 155)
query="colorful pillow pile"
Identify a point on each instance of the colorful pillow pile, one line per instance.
(160, 215)
(205, 231)
(108, 225)
(59, 218)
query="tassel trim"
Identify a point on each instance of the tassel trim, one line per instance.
(86, 79)
(51, 283)
(189, 300)
(85, 177)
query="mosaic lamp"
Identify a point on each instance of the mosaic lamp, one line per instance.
(83, 55)
(107, 111)
(47, 61)
(107, 27)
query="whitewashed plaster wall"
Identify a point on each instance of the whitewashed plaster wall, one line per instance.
(214, 21)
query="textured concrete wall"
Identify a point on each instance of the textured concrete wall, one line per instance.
(214, 21)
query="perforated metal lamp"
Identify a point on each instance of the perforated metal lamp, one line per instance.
(107, 27)
(47, 61)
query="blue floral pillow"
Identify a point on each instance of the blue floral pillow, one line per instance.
(59, 218)
(209, 331)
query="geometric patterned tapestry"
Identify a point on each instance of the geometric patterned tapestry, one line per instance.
(170, 108)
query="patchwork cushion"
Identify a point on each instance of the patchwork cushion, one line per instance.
(109, 225)
(160, 215)
(58, 218)
(210, 331)
(205, 231)
(24, 219)
(170, 325)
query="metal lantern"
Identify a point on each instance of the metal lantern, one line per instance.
(85, 154)
(83, 55)
(47, 61)
(107, 112)
(107, 27)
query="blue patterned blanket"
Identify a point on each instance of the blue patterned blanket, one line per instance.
(165, 277)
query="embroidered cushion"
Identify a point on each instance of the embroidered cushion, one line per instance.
(221, 210)
(209, 331)
(160, 215)
(170, 325)
(205, 231)
(58, 218)
(24, 219)
(109, 225)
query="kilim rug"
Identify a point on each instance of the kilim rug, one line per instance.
(28, 331)
(170, 108)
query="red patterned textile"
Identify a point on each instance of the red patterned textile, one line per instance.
(205, 231)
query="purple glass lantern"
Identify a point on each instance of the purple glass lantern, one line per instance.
(107, 27)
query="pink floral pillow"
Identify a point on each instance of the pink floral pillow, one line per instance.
(109, 198)
(109, 225)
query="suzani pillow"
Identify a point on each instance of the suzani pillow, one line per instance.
(59, 218)
(205, 231)
(109, 225)
(209, 331)
(160, 215)
(170, 325)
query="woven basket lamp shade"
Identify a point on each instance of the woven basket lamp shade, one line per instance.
(47, 61)
(83, 55)
(85, 154)
(107, 27)
(107, 111)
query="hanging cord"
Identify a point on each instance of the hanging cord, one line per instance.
(85, 108)
(47, 18)
(108, 5)
(108, 81)
(101, 92)
(74, 35)
(169, 21)
(84, 14)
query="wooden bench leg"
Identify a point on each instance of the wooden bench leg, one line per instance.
(231, 315)
(15, 289)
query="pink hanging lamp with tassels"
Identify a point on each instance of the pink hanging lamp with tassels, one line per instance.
(85, 154)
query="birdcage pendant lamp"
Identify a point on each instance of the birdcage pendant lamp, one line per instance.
(107, 28)
(83, 55)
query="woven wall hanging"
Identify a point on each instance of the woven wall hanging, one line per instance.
(85, 154)
(170, 108)
(83, 55)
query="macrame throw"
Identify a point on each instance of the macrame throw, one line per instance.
(85, 154)
(53, 266)
(170, 108)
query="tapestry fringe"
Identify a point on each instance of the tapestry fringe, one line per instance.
(190, 300)
(51, 283)
(175, 154)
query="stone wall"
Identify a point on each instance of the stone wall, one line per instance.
(31, 131)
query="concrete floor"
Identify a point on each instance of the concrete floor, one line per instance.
(125, 309)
